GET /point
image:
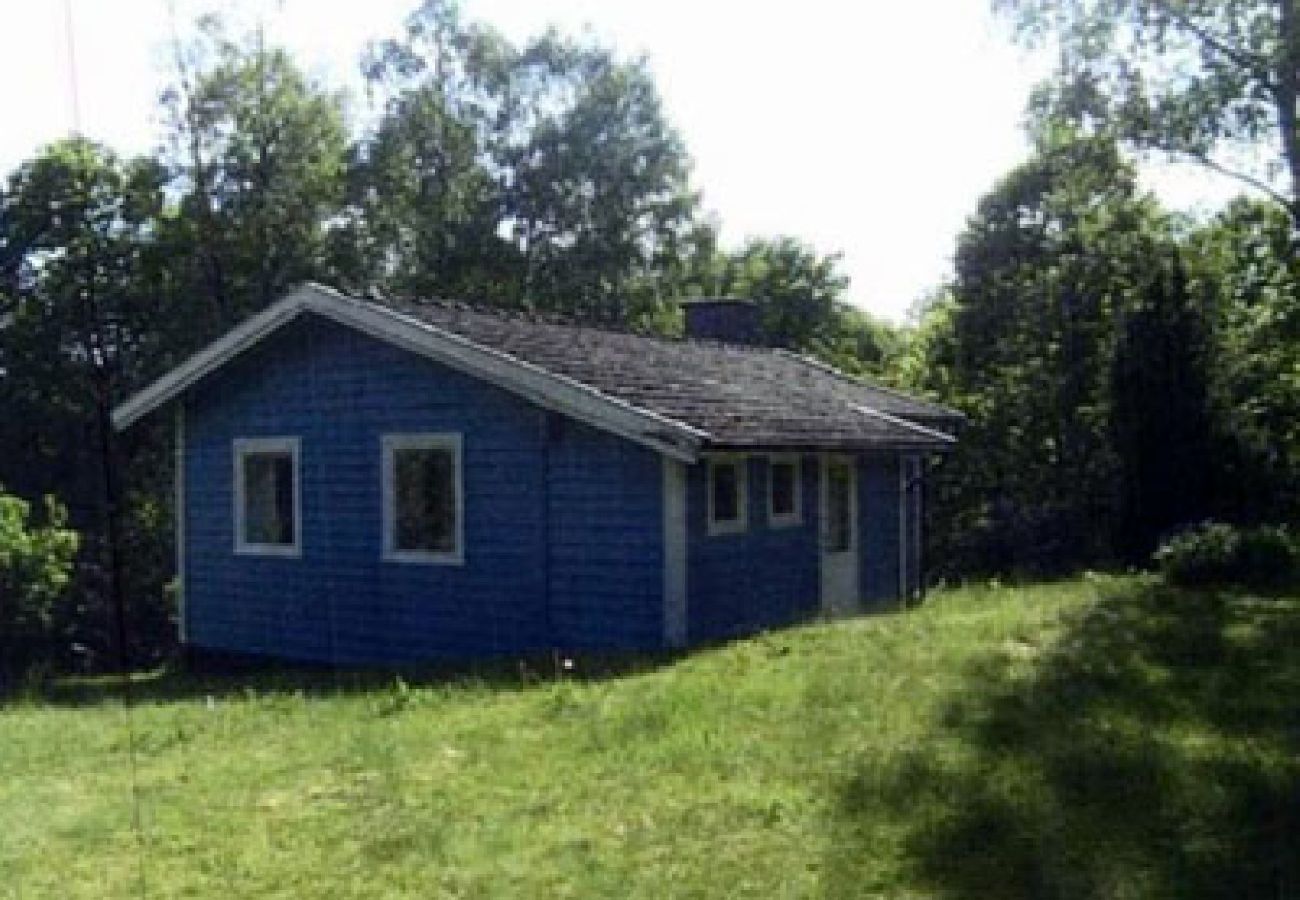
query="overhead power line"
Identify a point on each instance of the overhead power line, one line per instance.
(72, 67)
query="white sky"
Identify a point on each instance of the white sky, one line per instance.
(868, 127)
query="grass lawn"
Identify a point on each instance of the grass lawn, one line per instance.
(1096, 738)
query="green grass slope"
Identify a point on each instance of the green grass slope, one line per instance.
(1097, 738)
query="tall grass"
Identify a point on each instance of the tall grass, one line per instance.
(1095, 738)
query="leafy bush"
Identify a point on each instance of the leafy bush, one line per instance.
(35, 568)
(1262, 557)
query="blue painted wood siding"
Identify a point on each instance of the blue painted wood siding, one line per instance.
(762, 577)
(606, 538)
(545, 562)
(913, 505)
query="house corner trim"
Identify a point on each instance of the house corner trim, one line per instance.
(674, 537)
(182, 630)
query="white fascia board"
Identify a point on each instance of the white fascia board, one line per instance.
(932, 433)
(547, 389)
(210, 358)
(939, 409)
(675, 618)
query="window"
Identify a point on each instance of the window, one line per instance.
(268, 497)
(423, 498)
(784, 492)
(727, 495)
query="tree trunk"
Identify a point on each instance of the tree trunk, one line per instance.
(1285, 94)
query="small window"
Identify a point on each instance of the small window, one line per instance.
(784, 492)
(267, 496)
(423, 498)
(727, 496)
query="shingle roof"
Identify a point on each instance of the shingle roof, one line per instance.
(677, 397)
(740, 397)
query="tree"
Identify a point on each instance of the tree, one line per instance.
(88, 317)
(257, 154)
(861, 344)
(599, 189)
(1243, 260)
(800, 295)
(1161, 417)
(544, 174)
(798, 291)
(1213, 81)
(1052, 256)
(425, 204)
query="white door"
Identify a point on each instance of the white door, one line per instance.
(839, 536)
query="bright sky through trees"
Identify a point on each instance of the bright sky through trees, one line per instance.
(870, 128)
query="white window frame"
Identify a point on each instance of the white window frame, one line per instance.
(392, 443)
(786, 520)
(740, 524)
(245, 447)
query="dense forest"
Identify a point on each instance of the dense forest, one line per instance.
(1126, 371)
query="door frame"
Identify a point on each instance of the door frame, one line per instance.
(834, 603)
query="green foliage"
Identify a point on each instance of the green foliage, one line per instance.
(920, 366)
(544, 174)
(75, 226)
(35, 571)
(799, 293)
(1213, 81)
(1024, 347)
(801, 296)
(1101, 737)
(1214, 554)
(91, 317)
(257, 152)
(1161, 422)
(424, 191)
(1122, 377)
(1243, 259)
(857, 343)
(1112, 399)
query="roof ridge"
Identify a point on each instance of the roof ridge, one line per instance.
(674, 397)
(524, 313)
(529, 315)
(555, 318)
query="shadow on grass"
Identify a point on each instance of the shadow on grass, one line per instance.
(220, 676)
(1153, 751)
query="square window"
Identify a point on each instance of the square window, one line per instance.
(422, 498)
(784, 492)
(727, 496)
(267, 496)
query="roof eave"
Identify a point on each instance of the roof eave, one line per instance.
(936, 411)
(863, 446)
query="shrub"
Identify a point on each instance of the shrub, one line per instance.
(1262, 557)
(35, 566)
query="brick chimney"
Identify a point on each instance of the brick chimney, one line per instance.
(728, 320)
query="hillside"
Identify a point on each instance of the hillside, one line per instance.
(1096, 738)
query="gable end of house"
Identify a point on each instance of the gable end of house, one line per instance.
(548, 390)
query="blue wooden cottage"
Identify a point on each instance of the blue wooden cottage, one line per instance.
(363, 482)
